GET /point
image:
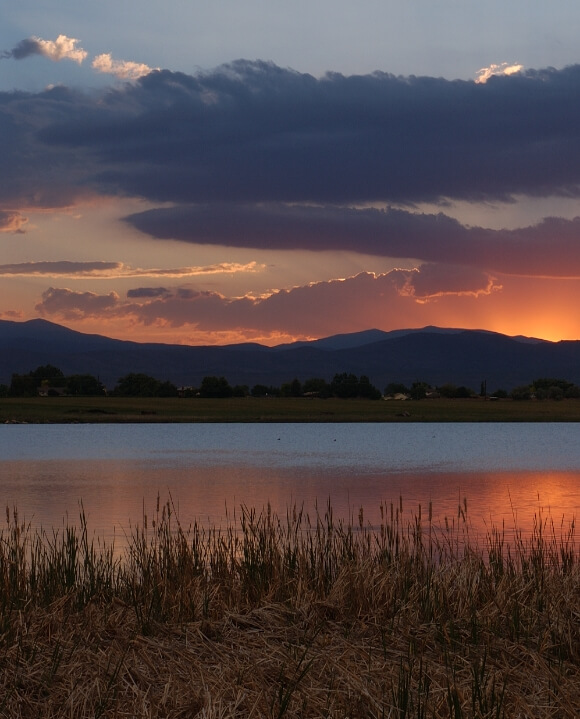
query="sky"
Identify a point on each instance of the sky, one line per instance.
(214, 173)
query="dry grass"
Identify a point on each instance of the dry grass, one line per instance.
(280, 409)
(290, 617)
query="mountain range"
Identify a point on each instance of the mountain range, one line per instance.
(431, 354)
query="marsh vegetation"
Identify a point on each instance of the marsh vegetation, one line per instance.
(294, 615)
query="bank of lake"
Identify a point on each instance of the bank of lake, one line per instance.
(278, 409)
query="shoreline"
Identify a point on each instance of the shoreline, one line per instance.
(123, 410)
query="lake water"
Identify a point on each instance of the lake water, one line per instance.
(505, 472)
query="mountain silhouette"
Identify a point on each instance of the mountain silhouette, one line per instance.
(431, 354)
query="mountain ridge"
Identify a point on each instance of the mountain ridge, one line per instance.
(432, 354)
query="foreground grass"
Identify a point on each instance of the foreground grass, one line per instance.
(290, 616)
(250, 409)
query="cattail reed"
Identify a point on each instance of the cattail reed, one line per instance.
(295, 615)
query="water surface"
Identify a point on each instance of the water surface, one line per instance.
(505, 472)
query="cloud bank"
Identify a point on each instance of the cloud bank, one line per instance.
(255, 133)
(305, 310)
(551, 248)
(251, 155)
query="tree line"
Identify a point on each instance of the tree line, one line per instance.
(51, 381)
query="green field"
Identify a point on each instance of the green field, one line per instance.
(250, 409)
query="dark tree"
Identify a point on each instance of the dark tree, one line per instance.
(316, 387)
(452, 392)
(419, 390)
(23, 385)
(344, 385)
(291, 389)
(27, 385)
(84, 384)
(166, 389)
(136, 384)
(366, 389)
(50, 374)
(550, 388)
(348, 385)
(548, 382)
(521, 393)
(448, 390)
(464, 392)
(215, 387)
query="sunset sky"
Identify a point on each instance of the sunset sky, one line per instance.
(208, 173)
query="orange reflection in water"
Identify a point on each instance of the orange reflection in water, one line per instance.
(117, 495)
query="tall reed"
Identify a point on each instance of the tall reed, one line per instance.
(301, 614)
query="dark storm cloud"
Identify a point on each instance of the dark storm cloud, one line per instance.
(245, 152)
(34, 173)
(550, 248)
(254, 132)
(147, 292)
(25, 48)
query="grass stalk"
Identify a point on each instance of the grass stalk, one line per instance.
(269, 613)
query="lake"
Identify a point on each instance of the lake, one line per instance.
(505, 472)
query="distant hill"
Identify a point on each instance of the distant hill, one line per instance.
(431, 354)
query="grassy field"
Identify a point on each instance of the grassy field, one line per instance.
(290, 617)
(117, 409)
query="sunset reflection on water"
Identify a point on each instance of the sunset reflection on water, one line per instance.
(117, 495)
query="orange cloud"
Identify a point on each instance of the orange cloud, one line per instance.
(118, 270)
(437, 280)
(314, 310)
(76, 305)
(11, 221)
(396, 299)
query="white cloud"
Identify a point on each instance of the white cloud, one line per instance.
(67, 48)
(63, 47)
(504, 68)
(123, 69)
(60, 49)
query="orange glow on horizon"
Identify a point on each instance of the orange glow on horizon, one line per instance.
(545, 326)
(524, 307)
(187, 335)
